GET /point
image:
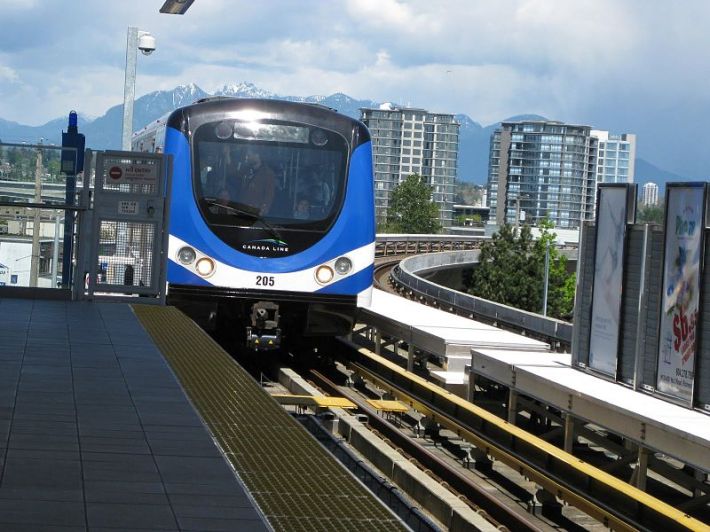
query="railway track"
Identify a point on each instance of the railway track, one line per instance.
(499, 514)
(489, 492)
(611, 501)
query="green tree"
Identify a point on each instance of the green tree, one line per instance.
(511, 271)
(411, 209)
(651, 214)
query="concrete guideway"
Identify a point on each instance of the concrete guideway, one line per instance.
(647, 424)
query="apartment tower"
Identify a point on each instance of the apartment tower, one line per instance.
(542, 169)
(409, 141)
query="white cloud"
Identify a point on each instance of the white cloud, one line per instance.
(619, 64)
(8, 74)
(393, 16)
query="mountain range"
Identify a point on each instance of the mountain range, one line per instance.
(104, 132)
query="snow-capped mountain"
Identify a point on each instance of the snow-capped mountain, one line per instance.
(244, 90)
(104, 132)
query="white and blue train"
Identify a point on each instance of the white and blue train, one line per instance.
(272, 227)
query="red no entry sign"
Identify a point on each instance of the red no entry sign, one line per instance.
(115, 172)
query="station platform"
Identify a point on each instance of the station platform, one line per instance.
(120, 417)
(98, 433)
(651, 422)
(442, 334)
(439, 332)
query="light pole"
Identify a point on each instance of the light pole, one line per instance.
(145, 42)
(547, 278)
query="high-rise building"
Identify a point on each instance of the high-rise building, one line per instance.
(615, 157)
(542, 169)
(409, 141)
(650, 194)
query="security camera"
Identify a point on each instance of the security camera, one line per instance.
(146, 44)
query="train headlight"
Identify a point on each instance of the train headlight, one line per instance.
(224, 130)
(205, 267)
(186, 255)
(324, 274)
(343, 265)
(319, 137)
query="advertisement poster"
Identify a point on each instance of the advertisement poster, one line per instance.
(681, 291)
(608, 279)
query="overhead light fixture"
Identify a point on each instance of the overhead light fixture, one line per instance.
(176, 7)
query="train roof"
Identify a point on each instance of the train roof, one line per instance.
(217, 108)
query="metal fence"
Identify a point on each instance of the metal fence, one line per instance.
(127, 226)
(87, 237)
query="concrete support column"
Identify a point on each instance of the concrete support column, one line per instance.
(512, 405)
(378, 341)
(410, 358)
(700, 476)
(570, 436)
(640, 474)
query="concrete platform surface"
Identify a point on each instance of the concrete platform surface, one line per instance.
(96, 433)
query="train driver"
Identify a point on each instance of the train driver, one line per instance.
(257, 182)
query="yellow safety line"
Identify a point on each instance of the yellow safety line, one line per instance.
(298, 485)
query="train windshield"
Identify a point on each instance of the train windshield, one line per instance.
(282, 175)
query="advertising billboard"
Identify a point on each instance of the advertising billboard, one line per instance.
(685, 217)
(608, 278)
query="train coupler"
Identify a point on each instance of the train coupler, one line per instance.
(264, 333)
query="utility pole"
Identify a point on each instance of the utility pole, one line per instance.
(55, 250)
(34, 261)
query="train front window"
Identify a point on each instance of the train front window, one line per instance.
(287, 175)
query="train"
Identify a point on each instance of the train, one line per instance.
(272, 223)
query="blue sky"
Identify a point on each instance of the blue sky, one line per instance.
(624, 65)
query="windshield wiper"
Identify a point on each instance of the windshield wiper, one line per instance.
(241, 209)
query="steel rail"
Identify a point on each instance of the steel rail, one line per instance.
(477, 496)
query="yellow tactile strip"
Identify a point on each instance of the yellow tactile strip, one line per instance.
(296, 483)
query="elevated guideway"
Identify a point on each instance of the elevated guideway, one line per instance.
(532, 374)
(409, 279)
